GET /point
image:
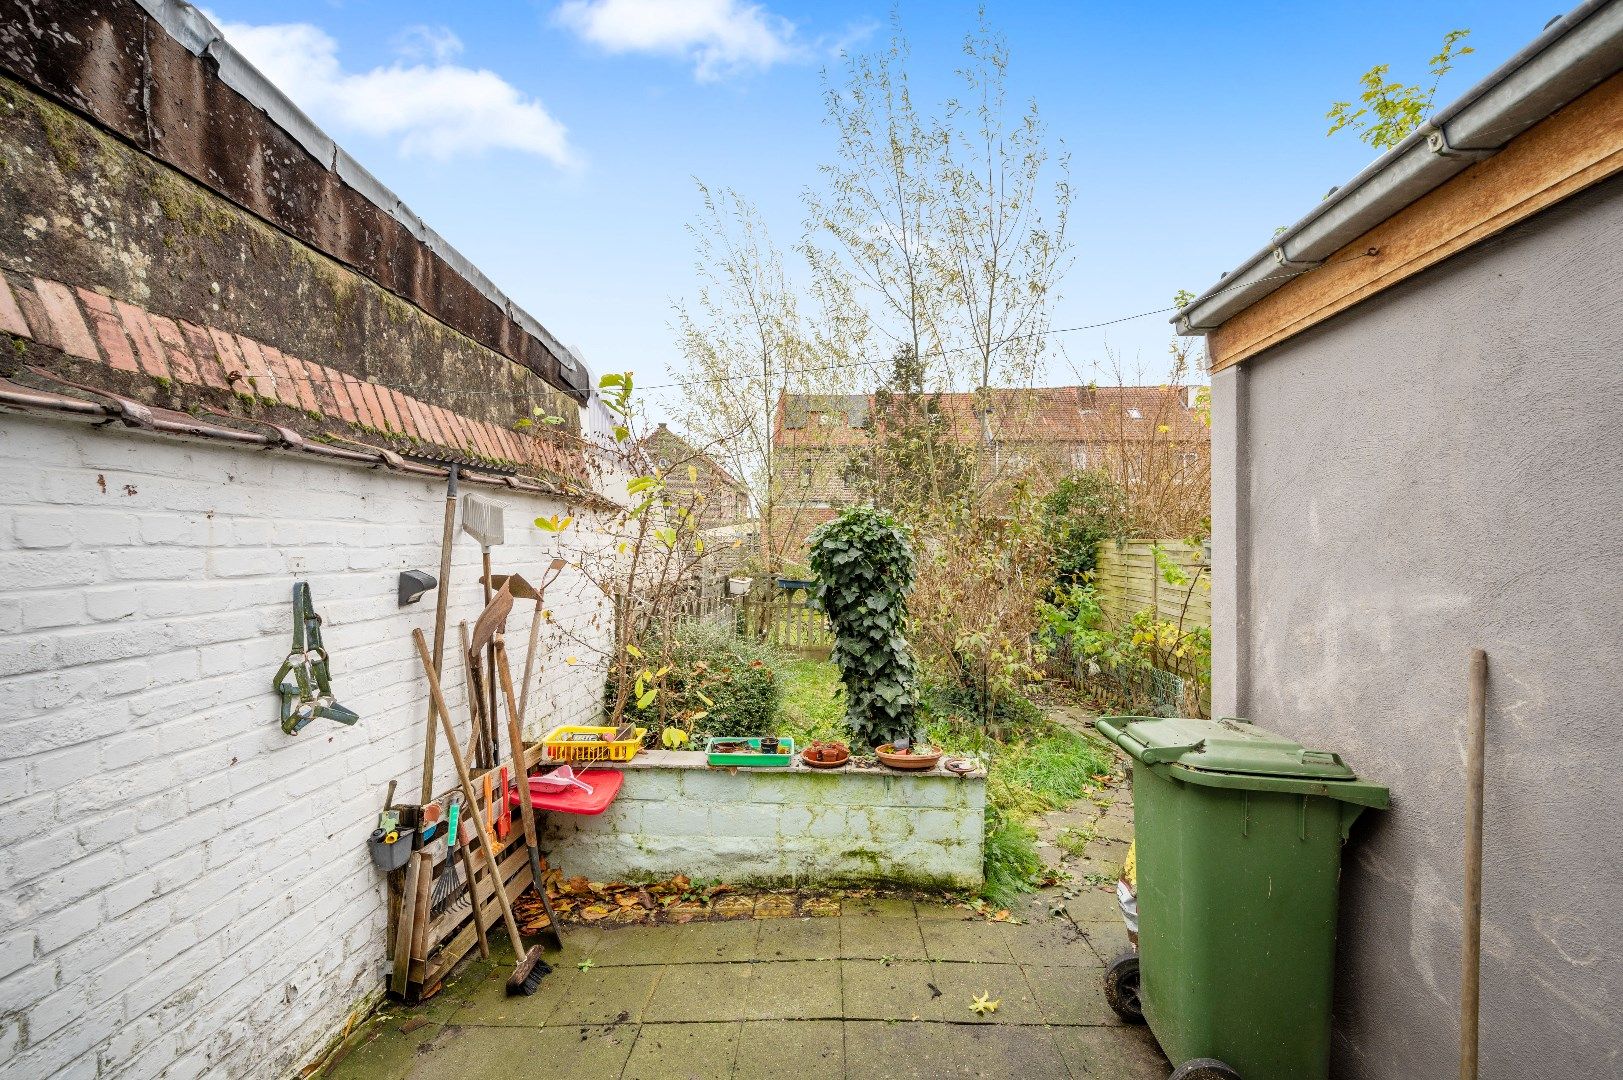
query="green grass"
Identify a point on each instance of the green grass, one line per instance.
(813, 702)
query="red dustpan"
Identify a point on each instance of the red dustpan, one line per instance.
(571, 798)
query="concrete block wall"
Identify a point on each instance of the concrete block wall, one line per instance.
(675, 815)
(185, 890)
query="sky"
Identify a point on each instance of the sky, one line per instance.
(557, 143)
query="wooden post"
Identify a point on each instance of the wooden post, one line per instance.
(1476, 730)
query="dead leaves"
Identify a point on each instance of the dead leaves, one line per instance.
(981, 1006)
(675, 900)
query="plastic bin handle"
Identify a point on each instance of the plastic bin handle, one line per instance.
(1142, 753)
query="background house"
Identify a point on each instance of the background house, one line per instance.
(1416, 451)
(221, 339)
(720, 500)
(1137, 434)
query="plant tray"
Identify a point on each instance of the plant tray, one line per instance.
(756, 760)
(582, 742)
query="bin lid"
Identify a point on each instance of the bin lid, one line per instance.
(1231, 745)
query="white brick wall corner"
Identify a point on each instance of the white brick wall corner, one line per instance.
(185, 890)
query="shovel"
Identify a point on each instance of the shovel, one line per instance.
(482, 520)
(523, 590)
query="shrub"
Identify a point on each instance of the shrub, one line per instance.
(718, 683)
(864, 570)
(1083, 509)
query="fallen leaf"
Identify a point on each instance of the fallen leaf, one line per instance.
(981, 1006)
(587, 965)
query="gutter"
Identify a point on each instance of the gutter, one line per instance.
(112, 408)
(1574, 54)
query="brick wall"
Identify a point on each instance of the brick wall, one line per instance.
(186, 889)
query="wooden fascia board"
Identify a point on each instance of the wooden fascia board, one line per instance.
(1572, 149)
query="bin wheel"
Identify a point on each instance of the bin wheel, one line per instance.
(1121, 988)
(1204, 1069)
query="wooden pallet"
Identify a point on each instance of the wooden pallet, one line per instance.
(424, 949)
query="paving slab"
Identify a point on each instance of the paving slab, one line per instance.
(675, 1052)
(1108, 939)
(966, 941)
(793, 990)
(591, 1051)
(1111, 1053)
(695, 992)
(606, 995)
(1070, 995)
(805, 1050)
(798, 939)
(872, 939)
(489, 1004)
(904, 990)
(690, 943)
(949, 1052)
(961, 984)
(1047, 940)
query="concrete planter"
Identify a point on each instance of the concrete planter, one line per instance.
(788, 826)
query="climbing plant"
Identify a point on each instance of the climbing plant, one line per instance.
(864, 569)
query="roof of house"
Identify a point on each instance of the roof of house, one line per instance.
(1056, 414)
(678, 445)
(1576, 56)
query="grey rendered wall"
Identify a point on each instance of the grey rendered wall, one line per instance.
(1441, 468)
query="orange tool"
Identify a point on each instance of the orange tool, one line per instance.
(504, 820)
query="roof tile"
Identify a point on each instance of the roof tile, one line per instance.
(148, 350)
(104, 321)
(68, 327)
(11, 316)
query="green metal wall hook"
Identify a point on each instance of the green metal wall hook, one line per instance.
(309, 695)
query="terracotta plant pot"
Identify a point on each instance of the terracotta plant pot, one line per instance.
(914, 760)
(826, 755)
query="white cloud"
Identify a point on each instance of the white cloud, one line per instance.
(430, 107)
(719, 36)
(424, 42)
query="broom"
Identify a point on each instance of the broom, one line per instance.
(527, 974)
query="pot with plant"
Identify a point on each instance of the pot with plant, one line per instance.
(906, 754)
(826, 754)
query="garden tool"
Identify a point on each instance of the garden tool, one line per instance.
(1476, 730)
(448, 885)
(482, 520)
(490, 620)
(470, 672)
(523, 590)
(526, 977)
(447, 539)
(515, 743)
(504, 820)
(309, 695)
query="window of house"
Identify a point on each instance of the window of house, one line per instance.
(1079, 457)
(1134, 414)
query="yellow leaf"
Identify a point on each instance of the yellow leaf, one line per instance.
(981, 1005)
(570, 660)
(674, 738)
(648, 698)
(701, 696)
(693, 473)
(634, 651)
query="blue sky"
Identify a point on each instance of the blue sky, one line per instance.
(555, 143)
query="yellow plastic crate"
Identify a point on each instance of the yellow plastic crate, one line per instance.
(570, 742)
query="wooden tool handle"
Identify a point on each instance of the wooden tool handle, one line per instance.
(1476, 731)
(467, 790)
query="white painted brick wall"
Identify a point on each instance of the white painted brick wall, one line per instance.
(185, 890)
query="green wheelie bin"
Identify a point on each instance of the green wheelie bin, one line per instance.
(1239, 835)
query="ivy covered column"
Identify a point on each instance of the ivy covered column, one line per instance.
(864, 569)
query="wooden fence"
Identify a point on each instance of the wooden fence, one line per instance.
(783, 619)
(1128, 580)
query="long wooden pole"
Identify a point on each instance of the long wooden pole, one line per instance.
(1476, 729)
(468, 793)
(447, 539)
(515, 742)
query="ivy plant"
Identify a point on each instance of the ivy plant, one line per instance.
(864, 569)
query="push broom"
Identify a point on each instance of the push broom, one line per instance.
(531, 967)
